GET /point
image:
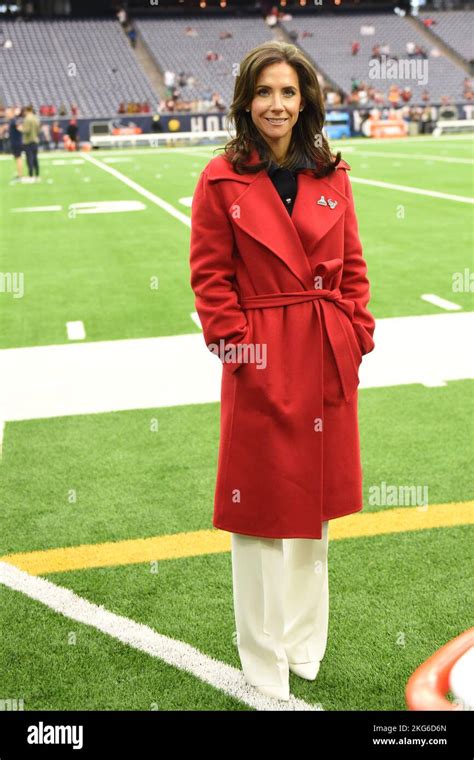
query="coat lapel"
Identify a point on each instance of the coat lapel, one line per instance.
(259, 212)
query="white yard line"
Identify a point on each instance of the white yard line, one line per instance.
(415, 156)
(441, 302)
(36, 208)
(178, 654)
(142, 191)
(404, 140)
(414, 190)
(106, 207)
(146, 373)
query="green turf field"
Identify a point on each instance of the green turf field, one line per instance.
(87, 479)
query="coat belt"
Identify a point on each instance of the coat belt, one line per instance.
(335, 326)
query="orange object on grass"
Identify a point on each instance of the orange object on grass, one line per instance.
(427, 686)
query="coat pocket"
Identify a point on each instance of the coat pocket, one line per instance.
(342, 358)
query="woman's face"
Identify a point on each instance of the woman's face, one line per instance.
(276, 104)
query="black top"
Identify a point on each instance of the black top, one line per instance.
(285, 182)
(16, 137)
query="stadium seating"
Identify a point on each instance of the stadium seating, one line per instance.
(40, 65)
(173, 50)
(455, 29)
(330, 48)
(91, 62)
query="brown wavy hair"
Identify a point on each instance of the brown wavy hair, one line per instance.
(303, 144)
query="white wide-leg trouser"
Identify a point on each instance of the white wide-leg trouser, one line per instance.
(281, 603)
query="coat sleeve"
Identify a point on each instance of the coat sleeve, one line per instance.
(213, 274)
(354, 282)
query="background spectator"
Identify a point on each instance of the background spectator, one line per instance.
(15, 138)
(31, 131)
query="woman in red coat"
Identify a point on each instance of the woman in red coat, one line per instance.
(281, 289)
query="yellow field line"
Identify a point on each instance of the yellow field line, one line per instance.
(214, 541)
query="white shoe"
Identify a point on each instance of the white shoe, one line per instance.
(308, 670)
(276, 692)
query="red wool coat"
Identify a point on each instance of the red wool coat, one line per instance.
(287, 297)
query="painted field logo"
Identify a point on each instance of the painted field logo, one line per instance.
(42, 734)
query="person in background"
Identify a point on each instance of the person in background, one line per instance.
(394, 95)
(45, 136)
(218, 102)
(426, 125)
(467, 89)
(156, 125)
(31, 130)
(4, 146)
(72, 132)
(16, 147)
(131, 33)
(272, 18)
(56, 133)
(122, 16)
(376, 52)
